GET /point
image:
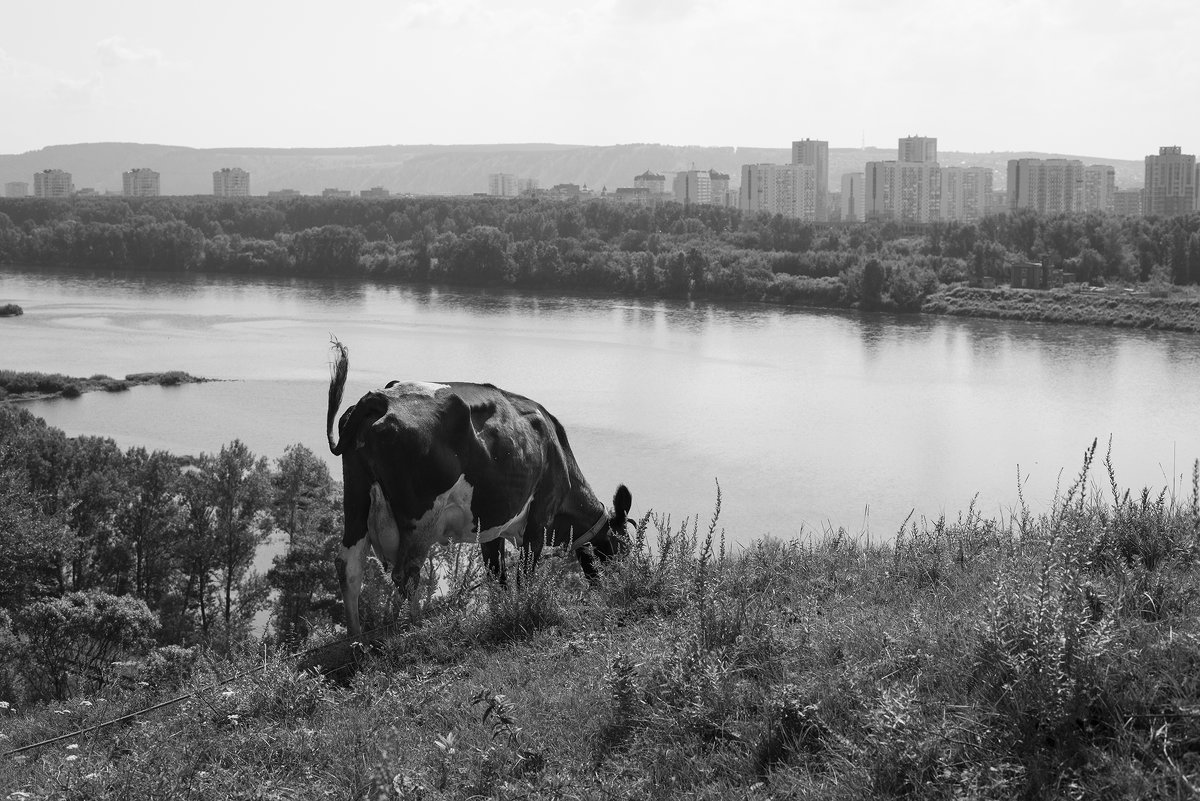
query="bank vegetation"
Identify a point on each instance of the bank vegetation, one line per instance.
(665, 250)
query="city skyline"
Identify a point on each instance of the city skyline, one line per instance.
(528, 71)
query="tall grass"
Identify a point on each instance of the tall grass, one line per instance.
(1035, 656)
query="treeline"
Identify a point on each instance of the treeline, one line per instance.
(105, 548)
(664, 250)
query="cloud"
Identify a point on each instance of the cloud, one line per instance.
(78, 92)
(655, 11)
(434, 15)
(116, 52)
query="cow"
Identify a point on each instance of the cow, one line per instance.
(426, 463)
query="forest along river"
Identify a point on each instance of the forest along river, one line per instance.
(808, 419)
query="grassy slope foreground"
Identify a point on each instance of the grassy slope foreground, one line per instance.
(1036, 657)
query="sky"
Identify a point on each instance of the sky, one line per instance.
(1111, 78)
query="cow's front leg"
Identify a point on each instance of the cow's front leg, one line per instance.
(493, 559)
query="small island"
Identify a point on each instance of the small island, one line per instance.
(11, 310)
(19, 386)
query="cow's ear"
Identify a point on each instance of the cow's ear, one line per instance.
(622, 500)
(454, 419)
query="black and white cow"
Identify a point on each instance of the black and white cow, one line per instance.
(426, 463)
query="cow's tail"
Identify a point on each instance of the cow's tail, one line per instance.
(337, 384)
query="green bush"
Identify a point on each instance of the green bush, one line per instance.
(68, 644)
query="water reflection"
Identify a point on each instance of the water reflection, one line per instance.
(805, 417)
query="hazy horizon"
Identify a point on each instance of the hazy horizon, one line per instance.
(1107, 78)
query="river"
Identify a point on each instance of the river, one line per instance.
(808, 419)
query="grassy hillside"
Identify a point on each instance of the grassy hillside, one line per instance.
(1031, 657)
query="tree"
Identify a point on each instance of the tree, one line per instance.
(302, 487)
(32, 538)
(238, 489)
(872, 285)
(152, 521)
(95, 489)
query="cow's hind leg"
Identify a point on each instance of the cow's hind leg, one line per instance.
(351, 563)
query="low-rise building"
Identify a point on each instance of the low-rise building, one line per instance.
(334, 192)
(375, 193)
(16, 189)
(283, 193)
(632, 195)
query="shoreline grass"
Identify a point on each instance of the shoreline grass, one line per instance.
(1146, 306)
(1042, 656)
(17, 385)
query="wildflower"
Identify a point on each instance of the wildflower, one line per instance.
(92, 776)
(73, 757)
(85, 703)
(143, 684)
(62, 711)
(72, 747)
(233, 719)
(19, 796)
(4, 705)
(227, 693)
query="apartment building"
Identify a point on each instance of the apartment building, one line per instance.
(786, 189)
(852, 201)
(693, 186)
(53, 183)
(1099, 184)
(502, 184)
(966, 193)
(1048, 186)
(140, 182)
(231, 182)
(1171, 183)
(815, 153)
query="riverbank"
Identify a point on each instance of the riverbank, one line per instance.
(1134, 307)
(1029, 657)
(24, 386)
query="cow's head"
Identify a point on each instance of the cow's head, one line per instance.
(613, 540)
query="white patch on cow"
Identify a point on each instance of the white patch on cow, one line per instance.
(514, 529)
(382, 530)
(450, 519)
(419, 387)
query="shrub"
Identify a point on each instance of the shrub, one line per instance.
(529, 600)
(70, 643)
(11, 310)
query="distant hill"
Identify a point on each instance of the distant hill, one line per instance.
(452, 169)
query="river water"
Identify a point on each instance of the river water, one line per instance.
(808, 419)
